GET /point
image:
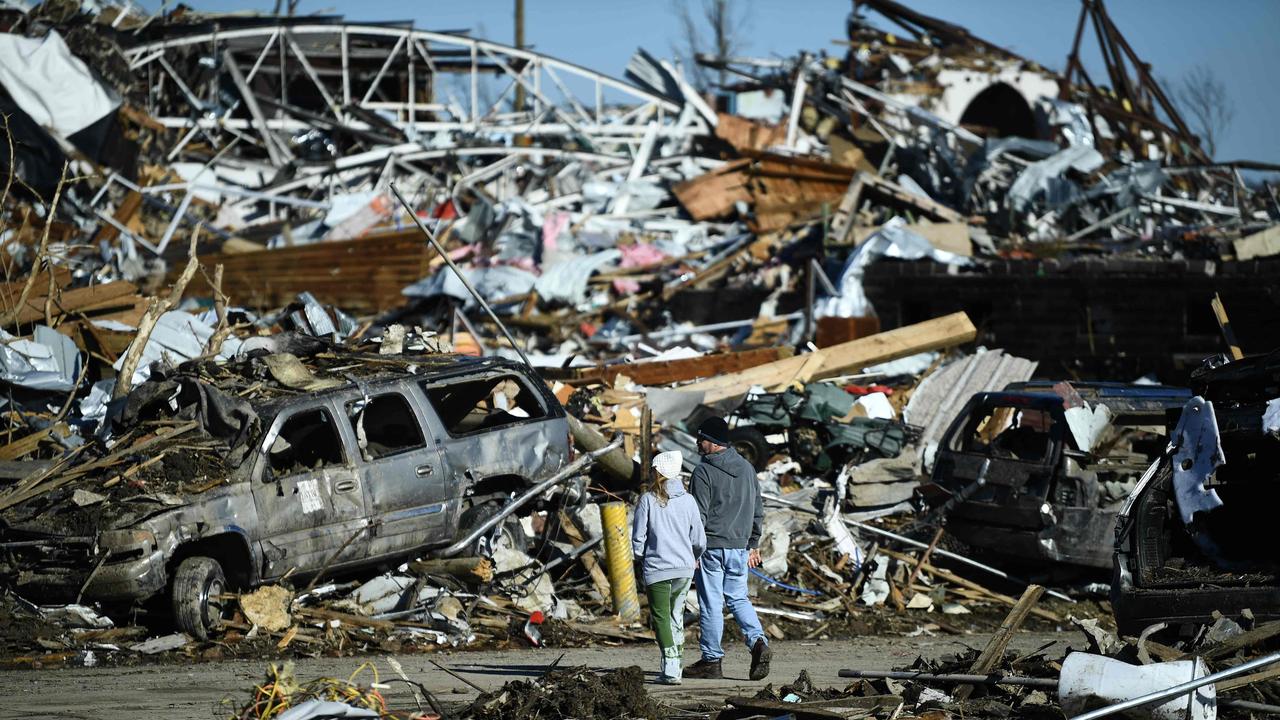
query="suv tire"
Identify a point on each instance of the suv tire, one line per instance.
(512, 531)
(198, 582)
(751, 445)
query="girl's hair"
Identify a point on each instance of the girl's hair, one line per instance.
(658, 486)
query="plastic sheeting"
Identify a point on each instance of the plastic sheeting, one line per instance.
(892, 240)
(1043, 180)
(50, 361)
(177, 336)
(53, 86)
(566, 281)
(492, 283)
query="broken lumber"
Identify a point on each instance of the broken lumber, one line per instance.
(944, 332)
(1247, 639)
(963, 582)
(347, 618)
(473, 570)
(598, 577)
(665, 372)
(993, 653)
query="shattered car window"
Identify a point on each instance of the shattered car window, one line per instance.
(385, 426)
(1008, 432)
(484, 404)
(307, 441)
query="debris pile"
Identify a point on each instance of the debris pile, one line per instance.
(1106, 671)
(219, 311)
(573, 692)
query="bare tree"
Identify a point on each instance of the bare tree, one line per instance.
(723, 20)
(1204, 97)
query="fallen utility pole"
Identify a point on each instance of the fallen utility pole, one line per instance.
(456, 271)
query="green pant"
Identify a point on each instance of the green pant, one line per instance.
(666, 615)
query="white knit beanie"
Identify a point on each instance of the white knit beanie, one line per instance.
(668, 464)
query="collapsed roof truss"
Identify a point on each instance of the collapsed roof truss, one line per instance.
(393, 102)
(387, 70)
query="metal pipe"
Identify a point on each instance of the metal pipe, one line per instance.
(456, 271)
(992, 679)
(1176, 690)
(573, 469)
(1250, 706)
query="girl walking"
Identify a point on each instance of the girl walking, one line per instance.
(668, 537)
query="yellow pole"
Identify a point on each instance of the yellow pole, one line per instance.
(617, 554)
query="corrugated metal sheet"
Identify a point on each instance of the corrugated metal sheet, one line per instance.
(941, 395)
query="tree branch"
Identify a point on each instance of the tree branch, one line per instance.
(156, 307)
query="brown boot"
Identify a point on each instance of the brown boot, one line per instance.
(761, 654)
(704, 670)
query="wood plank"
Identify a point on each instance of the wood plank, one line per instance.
(24, 445)
(348, 618)
(966, 583)
(993, 654)
(598, 577)
(669, 371)
(112, 295)
(896, 193)
(936, 334)
(1247, 639)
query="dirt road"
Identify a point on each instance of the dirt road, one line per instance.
(174, 692)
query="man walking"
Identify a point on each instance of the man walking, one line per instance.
(728, 496)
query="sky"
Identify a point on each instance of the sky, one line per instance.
(1239, 40)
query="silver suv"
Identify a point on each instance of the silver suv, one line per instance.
(356, 475)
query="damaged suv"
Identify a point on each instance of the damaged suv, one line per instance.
(327, 473)
(1036, 474)
(1192, 538)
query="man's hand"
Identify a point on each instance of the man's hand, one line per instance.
(753, 558)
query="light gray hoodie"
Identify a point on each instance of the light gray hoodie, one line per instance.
(669, 539)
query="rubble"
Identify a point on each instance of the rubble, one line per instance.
(243, 213)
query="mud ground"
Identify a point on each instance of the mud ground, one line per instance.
(172, 692)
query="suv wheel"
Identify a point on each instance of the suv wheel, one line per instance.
(197, 588)
(751, 445)
(510, 532)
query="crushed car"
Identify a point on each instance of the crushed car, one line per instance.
(360, 463)
(1191, 539)
(1036, 473)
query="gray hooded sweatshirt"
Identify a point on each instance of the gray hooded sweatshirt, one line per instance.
(728, 495)
(670, 538)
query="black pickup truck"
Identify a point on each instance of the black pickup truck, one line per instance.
(1043, 497)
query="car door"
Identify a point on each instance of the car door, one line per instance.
(490, 425)
(307, 492)
(399, 464)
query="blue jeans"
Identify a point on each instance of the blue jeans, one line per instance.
(722, 578)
